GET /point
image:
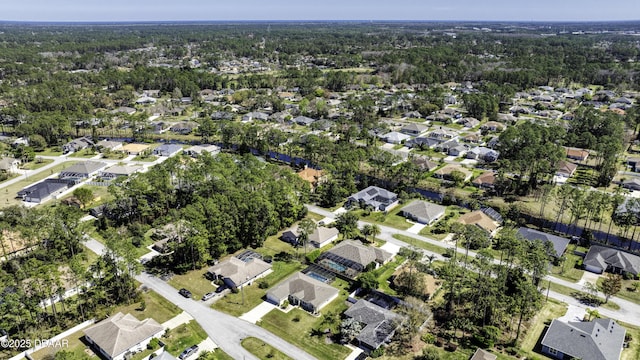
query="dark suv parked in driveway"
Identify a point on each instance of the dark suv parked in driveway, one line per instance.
(188, 352)
(184, 292)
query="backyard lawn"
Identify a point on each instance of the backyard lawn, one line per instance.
(193, 281)
(549, 311)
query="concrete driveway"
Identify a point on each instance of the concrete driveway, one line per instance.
(256, 314)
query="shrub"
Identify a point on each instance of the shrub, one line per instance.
(377, 352)
(263, 284)
(428, 338)
(285, 304)
(153, 344)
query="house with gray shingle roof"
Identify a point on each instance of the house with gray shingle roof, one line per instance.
(167, 150)
(379, 324)
(423, 212)
(120, 335)
(559, 243)
(351, 257)
(117, 171)
(414, 129)
(600, 259)
(600, 339)
(395, 137)
(304, 291)
(375, 197)
(82, 170)
(481, 354)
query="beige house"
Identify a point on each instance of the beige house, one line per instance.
(304, 291)
(236, 272)
(120, 335)
(481, 220)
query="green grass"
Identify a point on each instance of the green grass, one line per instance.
(36, 164)
(9, 193)
(85, 153)
(421, 244)
(156, 307)
(633, 351)
(75, 346)
(193, 281)
(145, 158)
(53, 151)
(549, 311)
(391, 219)
(313, 216)
(570, 272)
(296, 327)
(626, 292)
(384, 273)
(217, 354)
(561, 289)
(262, 350)
(183, 336)
(233, 304)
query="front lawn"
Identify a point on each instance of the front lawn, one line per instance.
(193, 281)
(568, 270)
(551, 310)
(306, 331)
(391, 219)
(9, 193)
(262, 350)
(627, 292)
(422, 244)
(36, 164)
(182, 337)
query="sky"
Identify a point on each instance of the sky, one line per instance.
(229, 10)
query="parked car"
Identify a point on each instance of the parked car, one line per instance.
(188, 352)
(184, 292)
(208, 296)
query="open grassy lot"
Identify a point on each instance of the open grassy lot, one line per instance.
(296, 327)
(156, 307)
(251, 296)
(561, 289)
(420, 244)
(217, 354)
(392, 219)
(568, 270)
(85, 153)
(549, 311)
(52, 151)
(193, 281)
(36, 164)
(633, 351)
(9, 193)
(76, 347)
(627, 292)
(145, 158)
(263, 350)
(314, 216)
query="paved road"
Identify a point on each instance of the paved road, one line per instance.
(629, 312)
(225, 330)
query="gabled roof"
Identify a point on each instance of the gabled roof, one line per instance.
(8, 162)
(600, 339)
(123, 170)
(118, 333)
(359, 253)
(395, 136)
(483, 355)
(559, 243)
(374, 196)
(479, 219)
(168, 148)
(487, 179)
(602, 257)
(424, 209)
(305, 288)
(379, 323)
(567, 168)
(240, 271)
(414, 128)
(424, 163)
(303, 120)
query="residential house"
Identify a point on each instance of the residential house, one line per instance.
(255, 115)
(601, 258)
(442, 135)
(473, 138)
(350, 257)
(222, 115)
(422, 142)
(599, 339)
(424, 164)
(82, 170)
(146, 100)
(120, 336)
(304, 291)
(184, 127)
(506, 118)
(634, 163)
(167, 150)
(197, 150)
(125, 110)
(414, 129)
(565, 169)
(135, 149)
(423, 212)
(493, 126)
(291, 236)
(577, 154)
(374, 197)
(323, 236)
(446, 172)
(117, 171)
(483, 153)
(77, 145)
(481, 220)
(9, 165)
(235, 272)
(395, 137)
(312, 176)
(486, 180)
(469, 122)
(303, 120)
(453, 148)
(559, 243)
(378, 324)
(412, 115)
(632, 184)
(109, 145)
(43, 191)
(481, 354)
